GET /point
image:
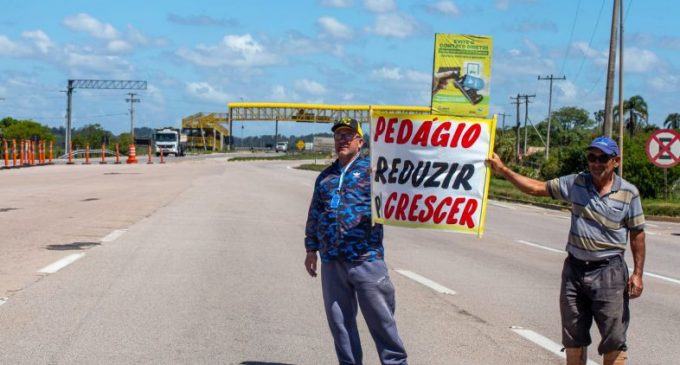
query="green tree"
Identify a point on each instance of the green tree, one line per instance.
(573, 125)
(92, 134)
(25, 129)
(672, 121)
(636, 108)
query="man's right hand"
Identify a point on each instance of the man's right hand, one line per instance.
(496, 164)
(310, 263)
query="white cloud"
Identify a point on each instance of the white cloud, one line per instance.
(385, 73)
(568, 90)
(397, 74)
(445, 8)
(206, 92)
(598, 57)
(41, 41)
(418, 77)
(394, 25)
(118, 46)
(380, 6)
(279, 93)
(640, 60)
(348, 97)
(503, 4)
(94, 62)
(335, 28)
(11, 48)
(665, 83)
(239, 51)
(310, 87)
(85, 23)
(337, 3)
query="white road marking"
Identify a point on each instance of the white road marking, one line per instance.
(3, 301)
(543, 341)
(113, 235)
(425, 281)
(651, 274)
(497, 204)
(651, 225)
(54, 267)
(540, 246)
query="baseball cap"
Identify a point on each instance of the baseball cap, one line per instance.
(606, 145)
(348, 123)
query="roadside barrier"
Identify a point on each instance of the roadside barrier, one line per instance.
(6, 154)
(14, 153)
(21, 153)
(148, 153)
(70, 153)
(132, 155)
(87, 154)
(50, 162)
(103, 161)
(117, 154)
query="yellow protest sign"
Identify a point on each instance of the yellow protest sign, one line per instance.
(462, 75)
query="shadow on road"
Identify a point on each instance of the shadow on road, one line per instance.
(263, 363)
(72, 246)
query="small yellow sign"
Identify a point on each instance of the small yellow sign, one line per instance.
(300, 144)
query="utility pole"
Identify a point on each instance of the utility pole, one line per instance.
(517, 102)
(551, 78)
(132, 100)
(69, 110)
(621, 89)
(503, 124)
(526, 118)
(609, 92)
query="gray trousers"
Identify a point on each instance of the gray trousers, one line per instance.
(595, 290)
(344, 284)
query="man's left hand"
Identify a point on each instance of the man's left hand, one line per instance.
(635, 286)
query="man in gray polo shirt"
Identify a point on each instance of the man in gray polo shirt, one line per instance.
(605, 211)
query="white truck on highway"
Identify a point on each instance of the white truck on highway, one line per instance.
(170, 141)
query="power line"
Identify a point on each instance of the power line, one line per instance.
(590, 42)
(551, 78)
(571, 36)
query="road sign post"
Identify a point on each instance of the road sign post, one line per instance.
(663, 150)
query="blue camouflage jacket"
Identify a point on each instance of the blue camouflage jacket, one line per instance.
(344, 233)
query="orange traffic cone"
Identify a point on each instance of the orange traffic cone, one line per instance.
(132, 155)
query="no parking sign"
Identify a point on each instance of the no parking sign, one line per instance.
(663, 148)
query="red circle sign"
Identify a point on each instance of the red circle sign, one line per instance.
(663, 148)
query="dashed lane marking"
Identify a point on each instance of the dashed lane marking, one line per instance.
(425, 281)
(3, 301)
(543, 341)
(497, 204)
(540, 246)
(113, 235)
(653, 275)
(56, 266)
(650, 274)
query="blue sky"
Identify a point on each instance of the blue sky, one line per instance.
(198, 55)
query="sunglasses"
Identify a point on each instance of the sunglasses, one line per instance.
(601, 158)
(345, 137)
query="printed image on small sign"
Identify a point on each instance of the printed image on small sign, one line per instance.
(429, 171)
(462, 75)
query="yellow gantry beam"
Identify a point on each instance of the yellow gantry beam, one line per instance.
(313, 113)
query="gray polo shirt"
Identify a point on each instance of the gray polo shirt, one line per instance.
(599, 224)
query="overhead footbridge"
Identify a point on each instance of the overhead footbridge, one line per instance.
(212, 131)
(309, 113)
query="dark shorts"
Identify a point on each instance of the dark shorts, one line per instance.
(594, 290)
